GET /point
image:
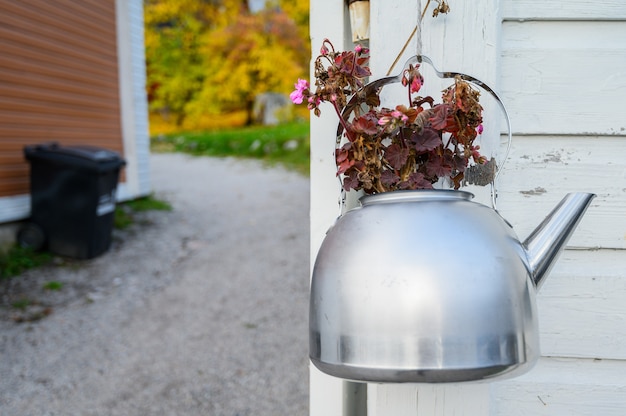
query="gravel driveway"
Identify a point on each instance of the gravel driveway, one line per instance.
(197, 311)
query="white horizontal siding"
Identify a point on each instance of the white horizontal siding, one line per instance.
(14, 208)
(569, 10)
(560, 386)
(539, 172)
(565, 77)
(582, 306)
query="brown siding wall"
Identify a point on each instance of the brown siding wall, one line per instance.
(58, 80)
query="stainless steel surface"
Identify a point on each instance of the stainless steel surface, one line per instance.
(545, 243)
(426, 286)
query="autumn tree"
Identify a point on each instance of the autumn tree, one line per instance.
(298, 11)
(259, 53)
(175, 65)
(214, 56)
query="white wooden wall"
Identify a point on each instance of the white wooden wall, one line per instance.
(560, 66)
(133, 99)
(563, 71)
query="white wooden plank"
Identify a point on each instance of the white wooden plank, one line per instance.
(429, 399)
(564, 387)
(467, 39)
(581, 307)
(571, 9)
(129, 100)
(565, 77)
(388, 399)
(391, 26)
(328, 20)
(13, 208)
(467, 399)
(539, 172)
(325, 394)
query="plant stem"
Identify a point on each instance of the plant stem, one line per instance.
(424, 12)
(419, 52)
(343, 122)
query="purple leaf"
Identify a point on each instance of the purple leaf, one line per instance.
(416, 180)
(439, 119)
(366, 124)
(437, 166)
(396, 156)
(427, 140)
(351, 182)
(388, 178)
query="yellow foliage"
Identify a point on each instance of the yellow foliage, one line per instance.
(205, 121)
(213, 56)
(259, 53)
(214, 14)
(298, 11)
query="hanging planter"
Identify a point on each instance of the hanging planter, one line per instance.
(420, 284)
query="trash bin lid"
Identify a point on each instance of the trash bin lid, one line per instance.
(78, 155)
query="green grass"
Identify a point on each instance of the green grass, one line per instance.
(18, 259)
(21, 304)
(285, 144)
(53, 285)
(124, 211)
(148, 203)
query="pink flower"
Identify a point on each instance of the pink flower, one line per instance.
(358, 48)
(416, 84)
(313, 102)
(400, 115)
(298, 95)
(383, 121)
(479, 129)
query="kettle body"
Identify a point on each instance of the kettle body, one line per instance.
(422, 286)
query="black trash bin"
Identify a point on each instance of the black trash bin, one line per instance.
(73, 190)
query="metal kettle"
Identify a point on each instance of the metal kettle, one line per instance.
(428, 286)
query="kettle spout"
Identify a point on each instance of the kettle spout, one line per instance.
(546, 242)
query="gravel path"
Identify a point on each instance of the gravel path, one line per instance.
(197, 311)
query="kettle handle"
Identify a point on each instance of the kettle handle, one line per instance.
(376, 85)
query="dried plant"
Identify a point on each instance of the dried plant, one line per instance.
(411, 146)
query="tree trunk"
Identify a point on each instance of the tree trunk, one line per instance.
(249, 112)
